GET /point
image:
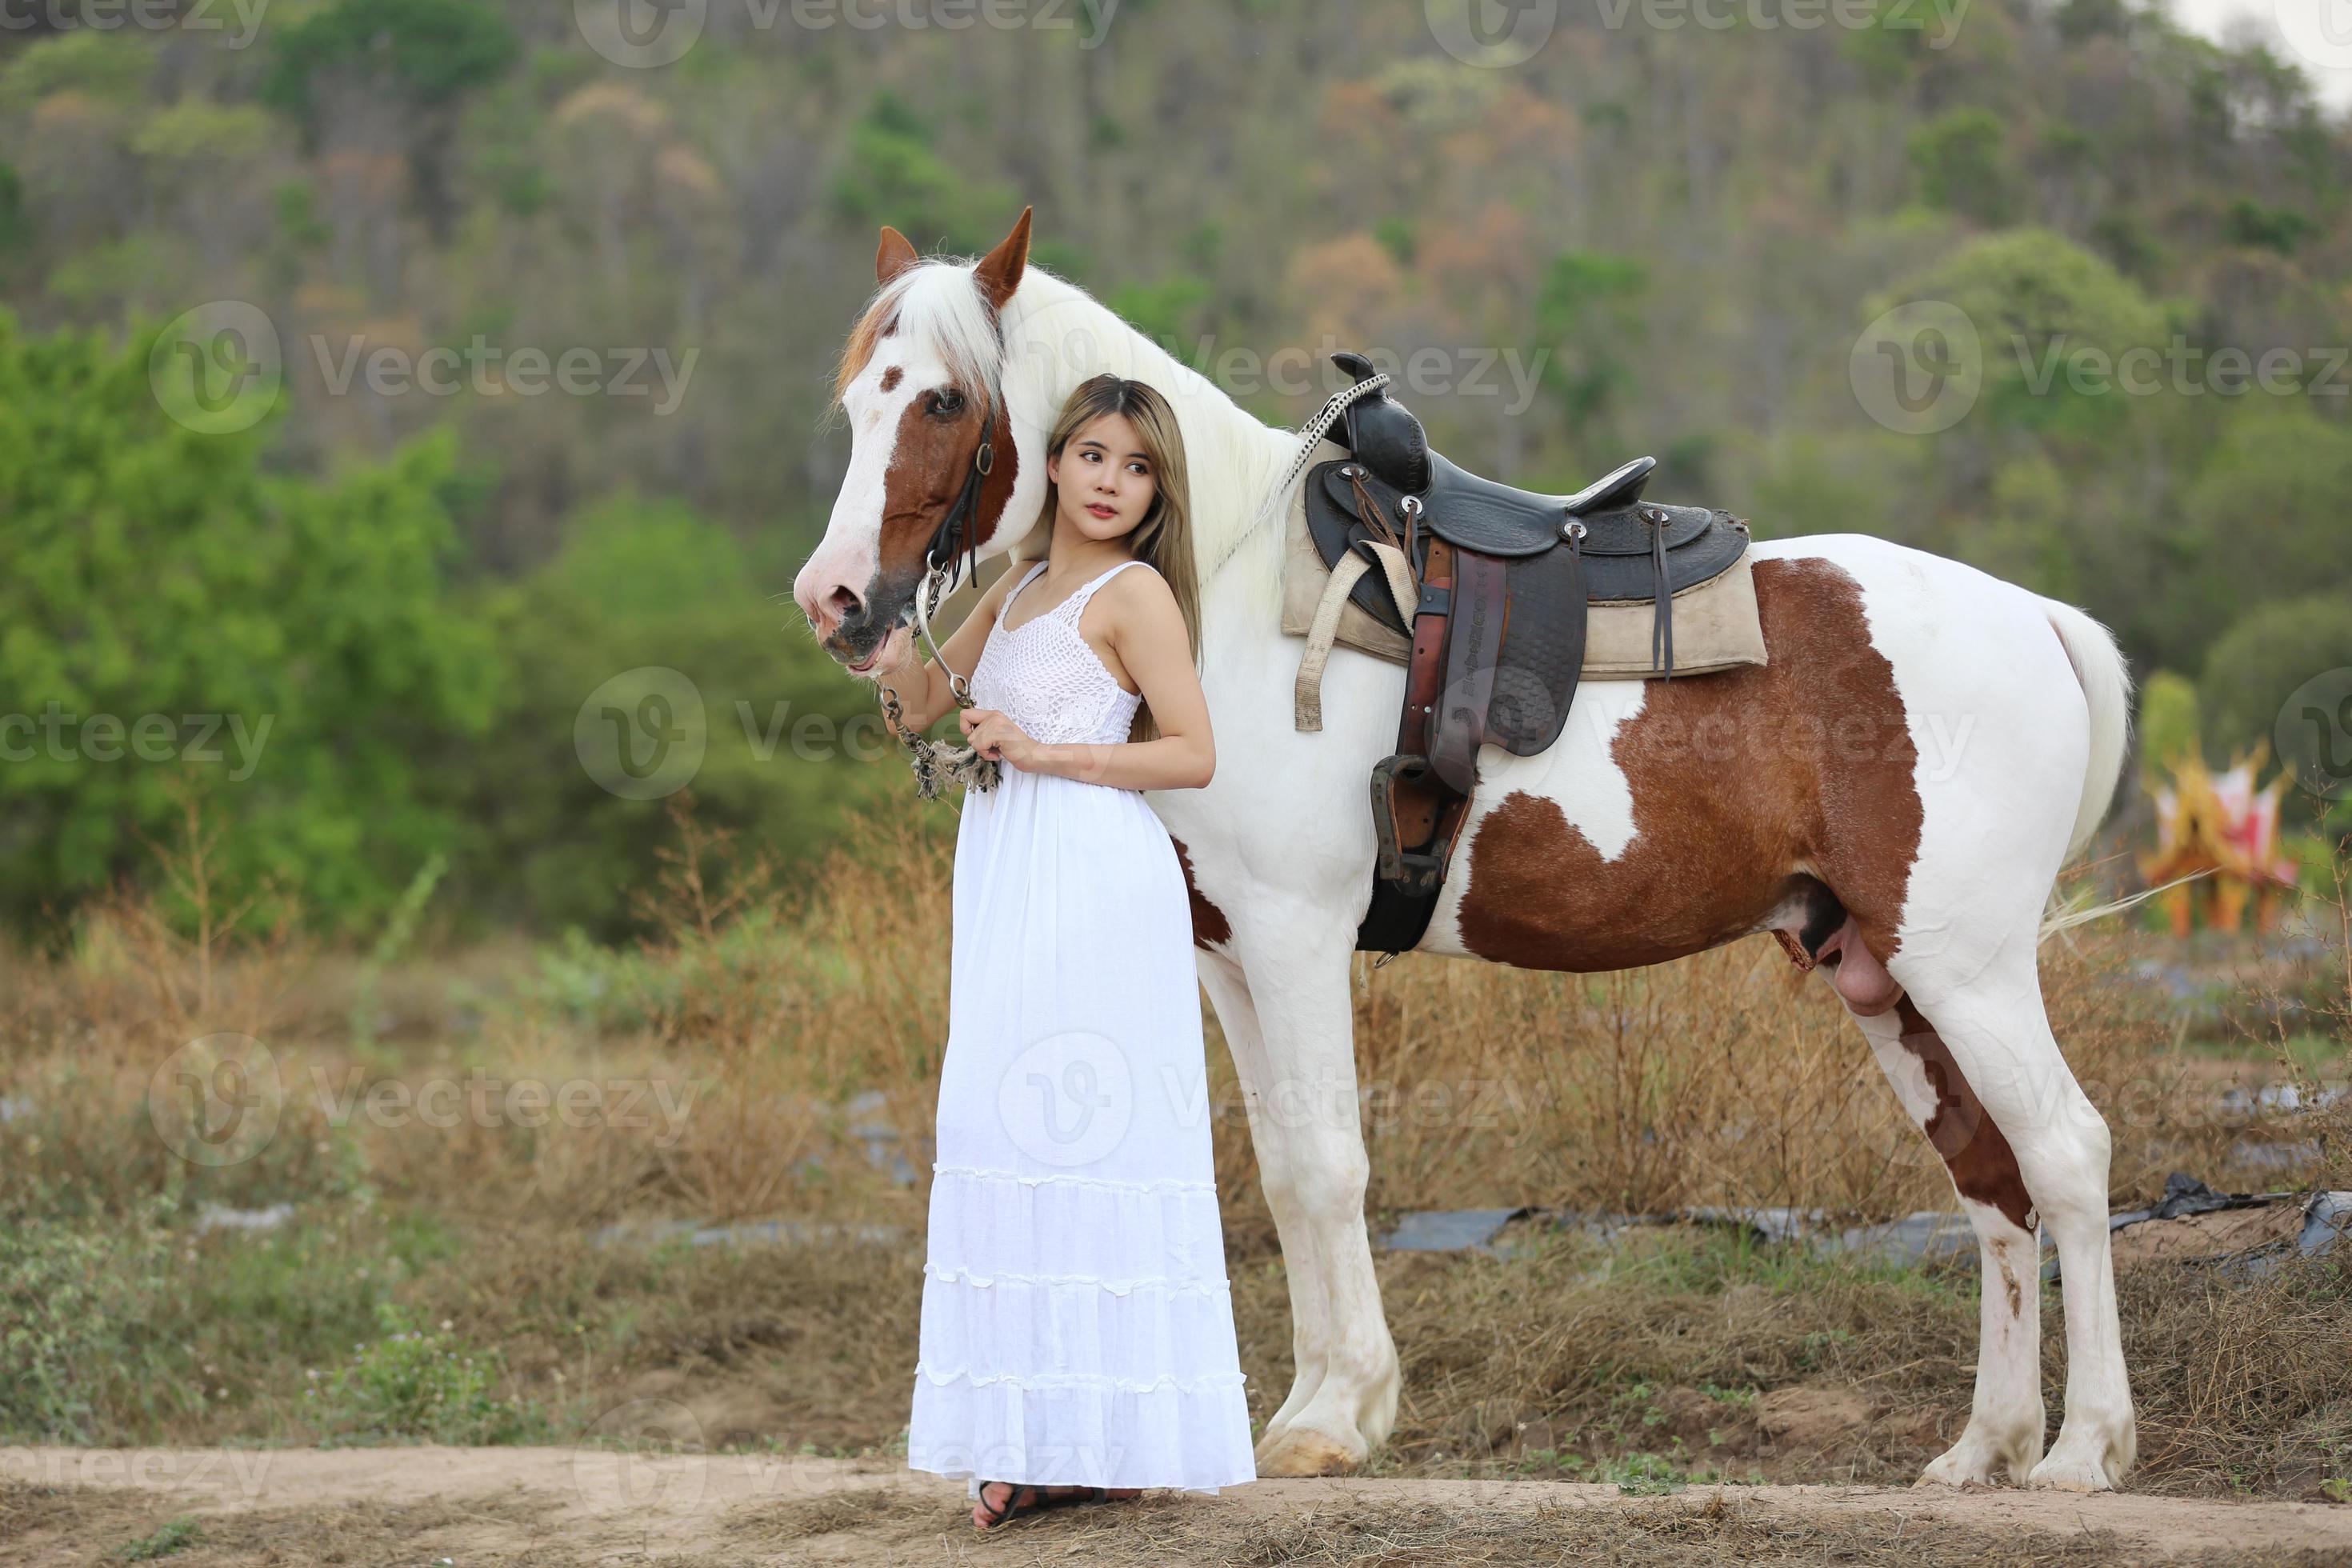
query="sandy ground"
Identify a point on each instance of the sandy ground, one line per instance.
(592, 1505)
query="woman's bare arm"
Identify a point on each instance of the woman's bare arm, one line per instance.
(924, 695)
(1146, 629)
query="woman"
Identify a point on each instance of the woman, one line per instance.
(1078, 1333)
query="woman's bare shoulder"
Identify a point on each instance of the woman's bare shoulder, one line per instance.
(1147, 582)
(1139, 600)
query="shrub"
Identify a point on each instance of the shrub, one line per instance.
(424, 1384)
(74, 1306)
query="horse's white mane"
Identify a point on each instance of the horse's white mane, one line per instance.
(1055, 335)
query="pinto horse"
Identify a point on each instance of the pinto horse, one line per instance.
(1892, 796)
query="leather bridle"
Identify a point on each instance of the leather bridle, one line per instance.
(959, 532)
(950, 536)
(936, 766)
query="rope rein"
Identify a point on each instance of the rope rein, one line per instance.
(936, 766)
(1310, 435)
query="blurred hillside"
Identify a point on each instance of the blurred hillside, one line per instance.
(1641, 237)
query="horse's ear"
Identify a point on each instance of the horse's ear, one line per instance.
(896, 255)
(999, 272)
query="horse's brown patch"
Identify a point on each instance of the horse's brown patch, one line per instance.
(1209, 927)
(1740, 781)
(892, 377)
(1983, 1165)
(929, 460)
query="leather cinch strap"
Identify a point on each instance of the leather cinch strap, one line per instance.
(1661, 620)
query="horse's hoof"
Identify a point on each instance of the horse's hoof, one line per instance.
(2054, 1474)
(2089, 1457)
(1977, 1461)
(1300, 1451)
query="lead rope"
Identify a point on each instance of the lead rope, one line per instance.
(936, 766)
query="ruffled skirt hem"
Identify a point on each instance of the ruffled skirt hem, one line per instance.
(1074, 1431)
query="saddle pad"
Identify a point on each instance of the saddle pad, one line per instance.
(1715, 622)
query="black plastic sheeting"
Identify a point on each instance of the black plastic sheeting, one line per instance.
(1933, 1237)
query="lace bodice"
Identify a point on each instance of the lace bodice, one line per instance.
(1043, 675)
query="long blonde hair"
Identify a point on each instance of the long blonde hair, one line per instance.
(1164, 538)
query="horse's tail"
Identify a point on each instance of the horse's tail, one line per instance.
(2106, 681)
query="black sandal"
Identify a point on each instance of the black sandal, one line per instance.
(1040, 1501)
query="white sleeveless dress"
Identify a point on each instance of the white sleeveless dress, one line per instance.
(1077, 1328)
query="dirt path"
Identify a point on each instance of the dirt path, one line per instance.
(587, 1506)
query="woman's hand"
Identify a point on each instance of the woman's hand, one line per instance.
(992, 734)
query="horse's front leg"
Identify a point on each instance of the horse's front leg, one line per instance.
(1295, 1054)
(1229, 993)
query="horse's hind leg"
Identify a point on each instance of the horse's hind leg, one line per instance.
(2006, 1418)
(2000, 1065)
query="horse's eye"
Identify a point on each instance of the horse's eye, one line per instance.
(948, 402)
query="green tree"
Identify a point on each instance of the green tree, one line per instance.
(1590, 306)
(2023, 537)
(2169, 725)
(169, 607)
(2258, 664)
(424, 55)
(2263, 519)
(641, 586)
(430, 51)
(891, 173)
(2052, 322)
(1964, 165)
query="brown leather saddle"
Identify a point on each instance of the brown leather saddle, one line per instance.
(1504, 577)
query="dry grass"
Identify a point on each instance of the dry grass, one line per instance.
(713, 1080)
(1725, 1079)
(1645, 1361)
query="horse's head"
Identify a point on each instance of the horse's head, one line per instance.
(920, 381)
